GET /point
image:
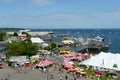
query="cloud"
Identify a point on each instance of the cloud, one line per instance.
(7, 1)
(82, 17)
(40, 2)
(65, 20)
(108, 15)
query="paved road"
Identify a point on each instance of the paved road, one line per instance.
(36, 74)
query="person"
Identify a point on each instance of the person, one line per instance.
(58, 74)
(59, 70)
(75, 78)
(51, 76)
(60, 78)
(36, 77)
(66, 77)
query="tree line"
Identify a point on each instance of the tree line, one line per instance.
(21, 48)
(2, 35)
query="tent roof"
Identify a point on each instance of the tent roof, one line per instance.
(105, 60)
(69, 55)
(36, 40)
(68, 41)
(44, 63)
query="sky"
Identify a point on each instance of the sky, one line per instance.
(46, 14)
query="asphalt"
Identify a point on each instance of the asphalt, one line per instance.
(29, 73)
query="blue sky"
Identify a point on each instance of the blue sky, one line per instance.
(60, 13)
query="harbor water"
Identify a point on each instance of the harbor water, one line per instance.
(110, 35)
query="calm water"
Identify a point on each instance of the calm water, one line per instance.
(110, 35)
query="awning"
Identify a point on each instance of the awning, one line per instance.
(68, 42)
(44, 63)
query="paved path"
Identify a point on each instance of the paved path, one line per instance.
(36, 74)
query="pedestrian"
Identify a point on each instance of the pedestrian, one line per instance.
(8, 75)
(62, 70)
(59, 70)
(75, 78)
(36, 77)
(60, 78)
(66, 77)
(58, 74)
(51, 76)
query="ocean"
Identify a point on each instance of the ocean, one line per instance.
(110, 35)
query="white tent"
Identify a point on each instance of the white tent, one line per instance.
(104, 60)
(36, 40)
(44, 45)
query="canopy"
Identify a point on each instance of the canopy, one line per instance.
(67, 64)
(44, 63)
(82, 56)
(99, 72)
(41, 64)
(44, 45)
(68, 41)
(105, 60)
(70, 56)
(48, 62)
(36, 40)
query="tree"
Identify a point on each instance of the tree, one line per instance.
(2, 35)
(30, 48)
(53, 45)
(28, 36)
(21, 48)
(15, 48)
(15, 34)
(50, 47)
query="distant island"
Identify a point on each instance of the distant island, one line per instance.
(10, 29)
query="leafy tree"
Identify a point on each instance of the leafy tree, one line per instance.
(30, 48)
(15, 34)
(2, 35)
(15, 48)
(21, 48)
(27, 40)
(50, 47)
(28, 36)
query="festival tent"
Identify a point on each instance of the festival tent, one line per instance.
(44, 63)
(70, 56)
(47, 62)
(44, 45)
(37, 40)
(66, 64)
(98, 72)
(82, 56)
(65, 61)
(41, 64)
(68, 42)
(104, 60)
